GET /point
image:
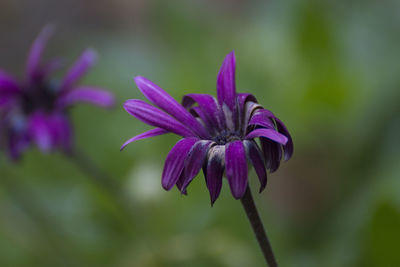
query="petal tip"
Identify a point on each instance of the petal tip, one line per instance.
(122, 147)
(91, 56)
(91, 52)
(140, 80)
(226, 84)
(48, 30)
(261, 189)
(166, 187)
(128, 103)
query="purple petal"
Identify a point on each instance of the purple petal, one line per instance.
(155, 117)
(9, 88)
(226, 88)
(36, 52)
(268, 115)
(195, 160)
(17, 143)
(268, 133)
(164, 101)
(243, 98)
(214, 171)
(8, 83)
(151, 133)
(265, 112)
(93, 95)
(288, 148)
(231, 118)
(256, 158)
(61, 131)
(202, 117)
(175, 162)
(41, 131)
(51, 66)
(210, 107)
(180, 182)
(204, 100)
(272, 154)
(236, 168)
(250, 108)
(79, 69)
(260, 119)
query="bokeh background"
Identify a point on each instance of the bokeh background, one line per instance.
(329, 69)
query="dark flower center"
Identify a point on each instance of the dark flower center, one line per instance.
(39, 97)
(225, 137)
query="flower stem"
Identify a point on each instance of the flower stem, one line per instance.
(258, 228)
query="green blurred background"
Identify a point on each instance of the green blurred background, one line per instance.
(328, 69)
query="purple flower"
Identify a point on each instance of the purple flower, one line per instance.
(218, 134)
(35, 110)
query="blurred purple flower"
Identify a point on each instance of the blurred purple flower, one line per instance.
(36, 109)
(218, 135)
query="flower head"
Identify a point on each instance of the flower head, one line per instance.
(35, 110)
(218, 134)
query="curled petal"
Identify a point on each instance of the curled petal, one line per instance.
(33, 70)
(202, 117)
(214, 171)
(175, 162)
(243, 98)
(210, 107)
(151, 133)
(259, 119)
(288, 148)
(180, 182)
(268, 133)
(272, 153)
(79, 69)
(256, 158)
(226, 87)
(194, 161)
(249, 110)
(93, 95)
(164, 101)
(236, 168)
(245, 109)
(203, 100)
(266, 115)
(265, 112)
(155, 117)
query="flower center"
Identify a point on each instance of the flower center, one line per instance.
(225, 137)
(41, 97)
